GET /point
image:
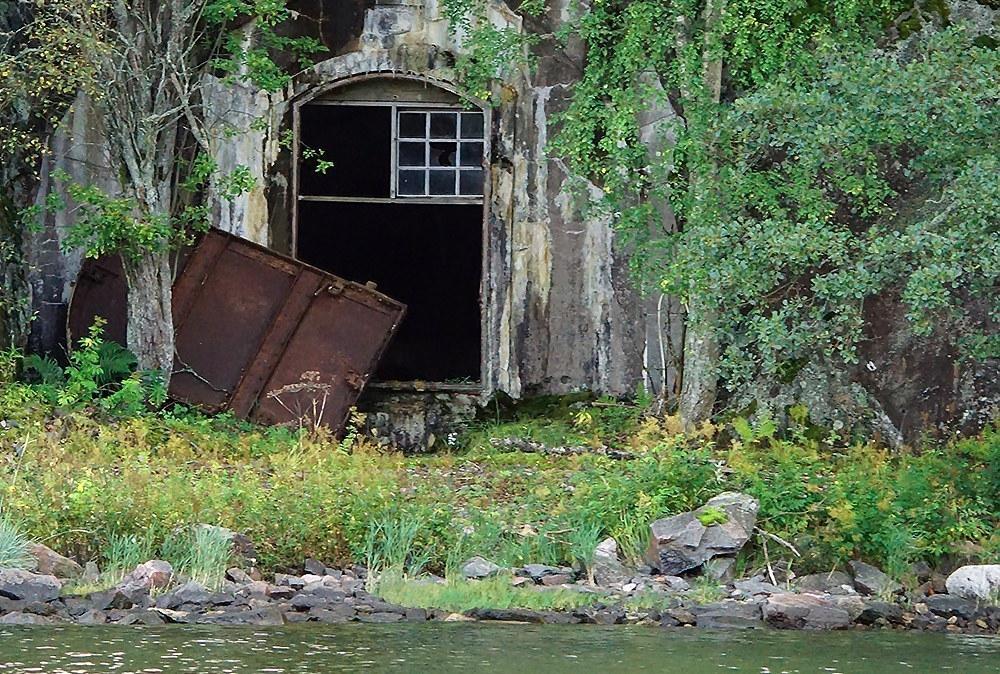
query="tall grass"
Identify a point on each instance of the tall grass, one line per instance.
(15, 552)
(390, 548)
(201, 554)
(463, 595)
(123, 553)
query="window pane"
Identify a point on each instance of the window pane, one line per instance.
(442, 182)
(411, 183)
(472, 154)
(444, 125)
(412, 125)
(443, 154)
(412, 154)
(472, 125)
(471, 183)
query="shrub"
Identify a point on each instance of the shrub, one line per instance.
(15, 552)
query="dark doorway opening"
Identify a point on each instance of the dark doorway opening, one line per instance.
(392, 194)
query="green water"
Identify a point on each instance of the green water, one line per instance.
(518, 649)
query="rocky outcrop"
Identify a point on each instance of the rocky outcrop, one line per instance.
(980, 582)
(872, 581)
(479, 567)
(720, 527)
(605, 565)
(50, 563)
(804, 611)
(26, 586)
(152, 575)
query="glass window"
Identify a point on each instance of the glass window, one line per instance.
(439, 153)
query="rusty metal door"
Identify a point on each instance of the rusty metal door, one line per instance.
(267, 337)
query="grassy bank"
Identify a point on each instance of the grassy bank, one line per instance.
(79, 481)
(84, 468)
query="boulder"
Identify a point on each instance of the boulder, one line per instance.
(728, 615)
(881, 612)
(154, 574)
(682, 542)
(605, 566)
(190, 592)
(835, 582)
(479, 567)
(109, 600)
(91, 573)
(268, 616)
(18, 618)
(539, 571)
(754, 587)
(332, 614)
(557, 579)
(314, 567)
(24, 585)
(92, 617)
(804, 611)
(872, 581)
(948, 606)
(48, 562)
(980, 582)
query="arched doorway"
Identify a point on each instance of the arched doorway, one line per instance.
(390, 180)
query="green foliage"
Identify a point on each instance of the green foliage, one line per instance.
(99, 373)
(462, 595)
(712, 515)
(124, 552)
(14, 546)
(199, 553)
(389, 546)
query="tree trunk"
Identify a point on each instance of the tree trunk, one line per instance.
(701, 357)
(700, 378)
(150, 320)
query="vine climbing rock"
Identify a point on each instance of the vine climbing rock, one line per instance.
(720, 527)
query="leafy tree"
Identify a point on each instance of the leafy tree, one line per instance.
(151, 59)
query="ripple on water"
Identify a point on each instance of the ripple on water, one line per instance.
(518, 649)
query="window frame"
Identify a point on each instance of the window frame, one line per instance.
(394, 197)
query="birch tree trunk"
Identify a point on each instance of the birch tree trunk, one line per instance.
(150, 320)
(701, 345)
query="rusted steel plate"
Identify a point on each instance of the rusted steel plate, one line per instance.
(264, 336)
(99, 291)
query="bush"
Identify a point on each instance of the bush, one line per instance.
(14, 547)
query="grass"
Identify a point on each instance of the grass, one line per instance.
(118, 489)
(15, 552)
(462, 595)
(199, 553)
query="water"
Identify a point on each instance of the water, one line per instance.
(518, 649)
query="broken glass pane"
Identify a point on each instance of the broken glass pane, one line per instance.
(443, 154)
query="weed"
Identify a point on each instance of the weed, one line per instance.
(199, 553)
(706, 591)
(389, 547)
(15, 550)
(464, 595)
(712, 515)
(123, 553)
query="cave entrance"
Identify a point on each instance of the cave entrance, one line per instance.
(389, 181)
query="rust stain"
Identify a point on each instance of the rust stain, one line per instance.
(259, 334)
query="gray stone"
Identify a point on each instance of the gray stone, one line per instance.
(852, 603)
(41, 608)
(804, 611)
(280, 592)
(18, 618)
(91, 573)
(507, 615)
(538, 571)
(681, 543)
(979, 582)
(171, 616)
(605, 566)
(557, 579)
(92, 617)
(151, 575)
(947, 606)
(263, 617)
(48, 562)
(752, 587)
(110, 599)
(190, 592)
(479, 567)
(295, 582)
(332, 614)
(379, 617)
(28, 586)
(870, 580)
(314, 567)
(728, 615)
(238, 575)
(416, 615)
(824, 582)
(878, 612)
(719, 568)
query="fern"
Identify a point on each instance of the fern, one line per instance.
(45, 370)
(116, 362)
